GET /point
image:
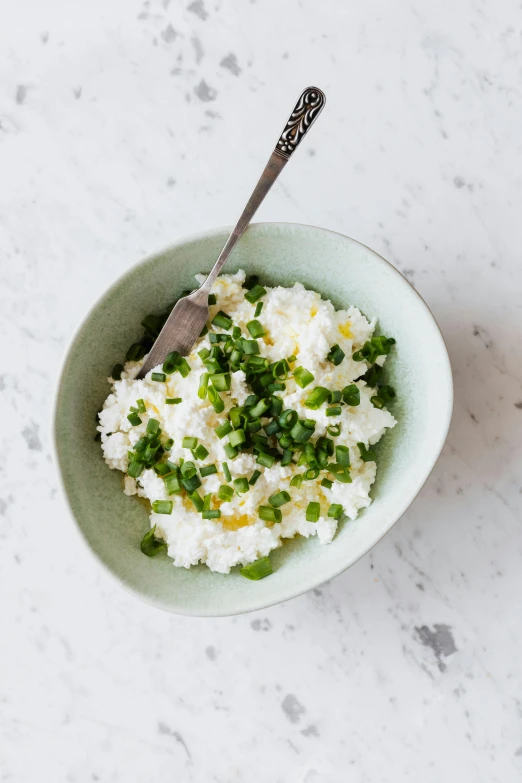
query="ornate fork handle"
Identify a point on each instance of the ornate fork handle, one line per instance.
(306, 111)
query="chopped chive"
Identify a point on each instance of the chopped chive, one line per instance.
(203, 385)
(135, 352)
(351, 395)
(335, 510)
(161, 469)
(255, 293)
(313, 512)
(212, 299)
(162, 506)
(254, 477)
(302, 377)
(237, 437)
(168, 444)
(311, 474)
(226, 471)
(373, 348)
(279, 499)
(367, 454)
(173, 400)
(211, 513)
(230, 450)
(241, 485)
(317, 397)
(334, 410)
(222, 320)
(172, 485)
(259, 409)
(190, 484)
(287, 457)
(327, 483)
(206, 501)
(220, 381)
(235, 416)
(256, 328)
(253, 426)
(267, 460)
(259, 307)
(236, 332)
(140, 444)
(274, 387)
(215, 400)
(225, 493)
(141, 406)
(276, 406)
(250, 347)
(251, 400)
(116, 372)
(340, 473)
(188, 469)
(297, 481)
(223, 429)
(150, 545)
(342, 455)
(135, 469)
(335, 355)
(288, 419)
(334, 430)
(207, 470)
(300, 433)
(272, 427)
(285, 441)
(189, 443)
(184, 368)
(200, 452)
(196, 498)
(171, 362)
(160, 377)
(153, 426)
(134, 419)
(335, 397)
(257, 570)
(204, 354)
(270, 514)
(372, 376)
(291, 359)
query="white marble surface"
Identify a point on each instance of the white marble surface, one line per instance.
(127, 124)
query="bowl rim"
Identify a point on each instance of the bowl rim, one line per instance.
(289, 594)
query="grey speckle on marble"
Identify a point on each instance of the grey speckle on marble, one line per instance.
(407, 667)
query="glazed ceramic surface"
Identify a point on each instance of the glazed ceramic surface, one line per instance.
(340, 269)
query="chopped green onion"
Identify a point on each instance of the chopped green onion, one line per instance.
(313, 512)
(291, 359)
(160, 377)
(141, 406)
(184, 368)
(207, 470)
(367, 454)
(150, 545)
(255, 293)
(327, 483)
(300, 433)
(220, 381)
(134, 419)
(223, 429)
(226, 471)
(204, 354)
(140, 444)
(230, 450)
(256, 328)
(188, 469)
(297, 480)
(279, 499)
(342, 455)
(171, 362)
(267, 460)
(259, 409)
(236, 332)
(288, 419)
(212, 299)
(222, 320)
(211, 513)
(191, 484)
(311, 474)
(117, 371)
(250, 347)
(280, 369)
(253, 426)
(386, 393)
(317, 397)
(254, 477)
(257, 570)
(336, 355)
(168, 444)
(162, 506)
(161, 469)
(136, 352)
(335, 397)
(276, 406)
(287, 457)
(270, 514)
(153, 426)
(197, 500)
(373, 348)
(237, 437)
(203, 385)
(206, 501)
(372, 376)
(302, 377)
(259, 307)
(225, 493)
(135, 469)
(340, 472)
(173, 400)
(272, 427)
(189, 443)
(251, 400)
(215, 400)
(334, 430)
(172, 485)
(241, 485)
(274, 387)
(200, 452)
(351, 395)
(335, 510)
(335, 410)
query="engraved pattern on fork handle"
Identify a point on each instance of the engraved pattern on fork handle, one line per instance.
(306, 111)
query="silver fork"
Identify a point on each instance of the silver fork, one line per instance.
(190, 314)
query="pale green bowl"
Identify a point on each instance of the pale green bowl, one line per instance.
(340, 269)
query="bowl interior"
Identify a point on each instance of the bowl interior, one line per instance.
(340, 269)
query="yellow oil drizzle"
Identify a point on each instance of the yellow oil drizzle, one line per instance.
(234, 523)
(345, 329)
(314, 310)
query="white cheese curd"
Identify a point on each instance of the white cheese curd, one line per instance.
(299, 323)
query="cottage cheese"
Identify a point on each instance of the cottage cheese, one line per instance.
(298, 322)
